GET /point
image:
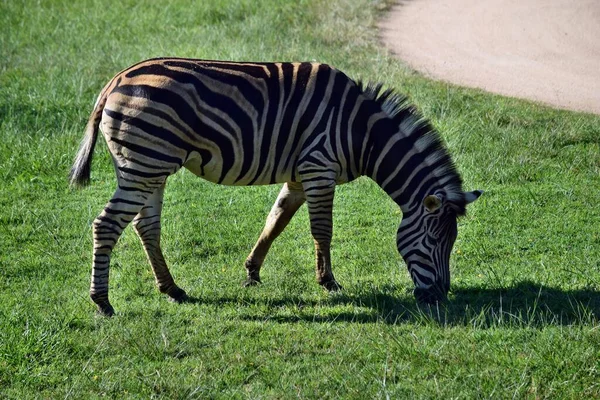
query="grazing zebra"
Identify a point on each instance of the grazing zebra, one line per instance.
(306, 125)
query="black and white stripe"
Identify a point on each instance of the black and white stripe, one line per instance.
(306, 125)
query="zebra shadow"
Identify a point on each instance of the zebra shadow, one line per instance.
(525, 304)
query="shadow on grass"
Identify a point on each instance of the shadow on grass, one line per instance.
(525, 304)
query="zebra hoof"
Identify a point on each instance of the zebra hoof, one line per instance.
(332, 286)
(177, 295)
(251, 282)
(105, 309)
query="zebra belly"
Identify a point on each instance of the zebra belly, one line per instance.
(212, 171)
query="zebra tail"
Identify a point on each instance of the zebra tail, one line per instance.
(80, 171)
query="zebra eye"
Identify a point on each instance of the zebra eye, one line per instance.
(432, 203)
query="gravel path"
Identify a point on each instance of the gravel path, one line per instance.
(544, 50)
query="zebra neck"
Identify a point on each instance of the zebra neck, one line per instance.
(403, 153)
(411, 162)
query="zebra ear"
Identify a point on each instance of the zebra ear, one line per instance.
(472, 196)
(432, 203)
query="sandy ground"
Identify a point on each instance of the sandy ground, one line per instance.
(545, 50)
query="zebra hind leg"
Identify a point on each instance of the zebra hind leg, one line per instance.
(288, 202)
(125, 204)
(147, 226)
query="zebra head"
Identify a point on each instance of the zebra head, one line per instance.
(425, 239)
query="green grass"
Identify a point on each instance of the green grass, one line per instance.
(523, 315)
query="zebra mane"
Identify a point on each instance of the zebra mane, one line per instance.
(427, 140)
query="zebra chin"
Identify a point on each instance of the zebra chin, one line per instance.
(433, 294)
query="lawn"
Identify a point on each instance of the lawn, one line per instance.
(523, 316)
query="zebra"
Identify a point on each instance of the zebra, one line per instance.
(306, 125)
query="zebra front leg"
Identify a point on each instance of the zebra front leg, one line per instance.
(319, 199)
(290, 198)
(147, 226)
(107, 228)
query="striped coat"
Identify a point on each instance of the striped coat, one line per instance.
(306, 125)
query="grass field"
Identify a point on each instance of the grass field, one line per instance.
(523, 316)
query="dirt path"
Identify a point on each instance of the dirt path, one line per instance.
(545, 50)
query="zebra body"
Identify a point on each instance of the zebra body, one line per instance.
(306, 125)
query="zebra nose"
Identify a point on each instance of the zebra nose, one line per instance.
(431, 295)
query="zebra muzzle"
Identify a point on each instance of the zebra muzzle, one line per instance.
(431, 295)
